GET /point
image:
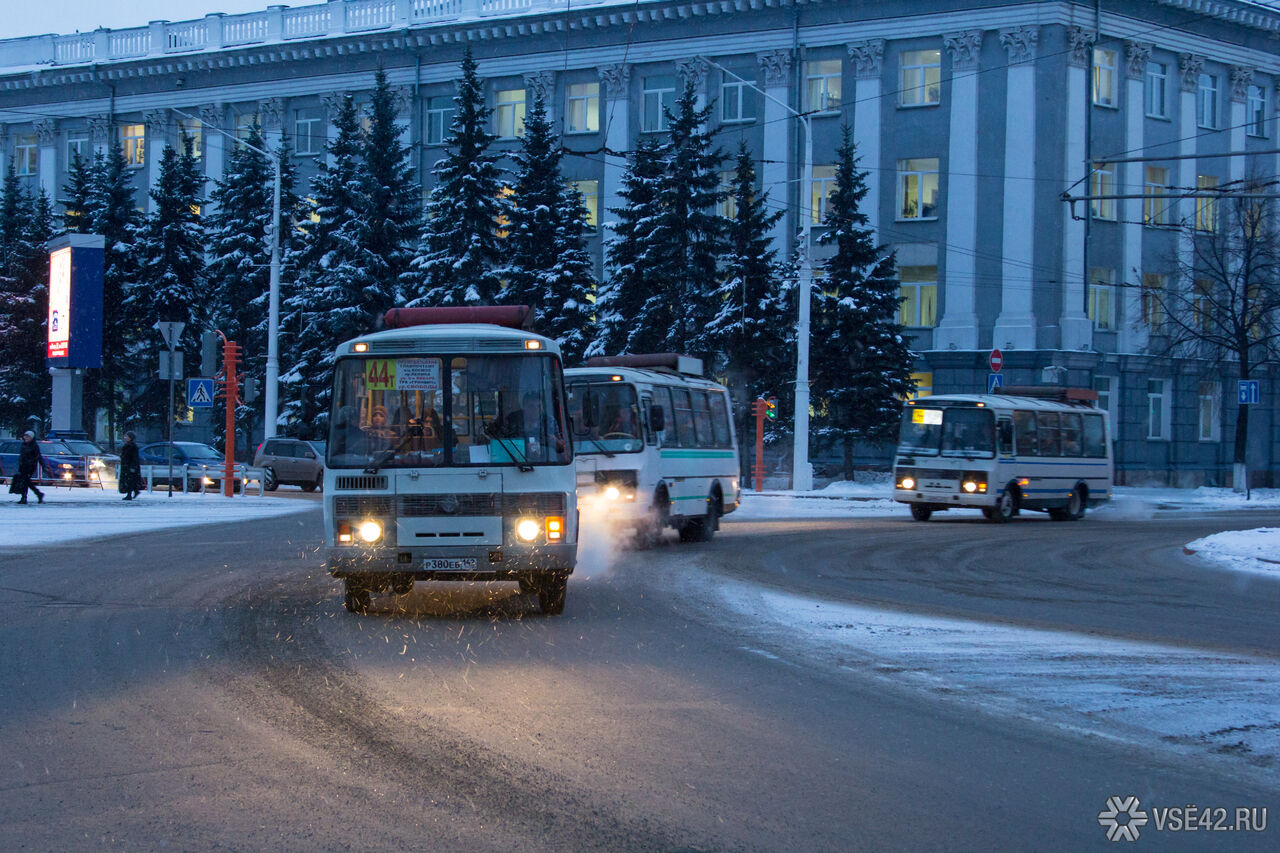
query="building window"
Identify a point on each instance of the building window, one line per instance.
(1153, 300)
(1155, 205)
(1104, 77)
(1202, 304)
(1103, 183)
(921, 82)
(728, 206)
(508, 113)
(1158, 409)
(78, 146)
(1210, 399)
(922, 383)
(822, 85)
(919, 291)
(1207, 101)
(133, 139)
(583, 113)
(1102, 298)
(590, 192)
(657, 98)
(193, 129)
(26, 154)
(1256, 111)
(737, 102)
(308, 133)
(918, 188)
(439, 116)
(824, 184)
(1105, 386)
(244, 126)
(1155, 89)
(1206, 207)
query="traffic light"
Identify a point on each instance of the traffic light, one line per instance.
(208, 353)
(771, 408)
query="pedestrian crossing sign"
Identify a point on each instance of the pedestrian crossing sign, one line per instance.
(200, 393)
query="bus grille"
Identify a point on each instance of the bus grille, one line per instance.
(366, 505)
(534, 503)
(366, 483)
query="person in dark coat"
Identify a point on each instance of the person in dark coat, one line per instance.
(28, 465)
(130, 468)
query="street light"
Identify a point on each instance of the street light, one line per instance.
(270, 393)
(802, 471)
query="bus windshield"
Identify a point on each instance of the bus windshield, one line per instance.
(953, 431)
(605, 418)
(447, 411)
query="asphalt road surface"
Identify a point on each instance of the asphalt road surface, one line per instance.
(203, 689)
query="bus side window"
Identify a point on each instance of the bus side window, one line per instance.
(1071, 434)
(650, 434)
(702, 419)
(682, 418)
(1050, 439)
(1006, 437)
(664, 423)
(1095, 438)
(720, 419)
(1024, 424)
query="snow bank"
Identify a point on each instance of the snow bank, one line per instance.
(1256, 550)
(69, 515)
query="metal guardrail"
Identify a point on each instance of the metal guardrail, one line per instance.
(49, 475)
(206, 475)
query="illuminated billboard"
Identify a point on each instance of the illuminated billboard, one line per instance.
(75, 301)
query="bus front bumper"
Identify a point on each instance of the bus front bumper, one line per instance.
(462, 563)
(945, 498)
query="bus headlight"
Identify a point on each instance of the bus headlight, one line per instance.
(370, 531)
(528, 529)
(906, 480)
(611, 493)
(974, 483)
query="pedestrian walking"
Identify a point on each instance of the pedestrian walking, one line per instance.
(28, 465)
(130, 467)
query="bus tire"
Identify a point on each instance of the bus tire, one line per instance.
(357, 597)
(551, 594)
(1006, 507)
(402, 584)
(920, 512)
(1078, 502)
(649, 531)
(702, 528)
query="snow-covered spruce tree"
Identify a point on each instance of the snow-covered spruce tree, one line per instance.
(170, 283)
(633, 274)
(547, 266)
(459, 258)
(753, 330)
(334, 297)
(393, 214)
(82, 174)
(688, 235)
(25, 226)
(860, 364)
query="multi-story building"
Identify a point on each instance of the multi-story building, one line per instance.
(972, 121)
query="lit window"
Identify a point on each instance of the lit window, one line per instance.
(823, 85)
(1103, 183)
(657, 99)
(1155, 89)
(737, 101)
(1210, 398)
(1256, 111)
(1155, 205)
(439, 117)
(508, 113)
(244, 126)
(824, 183)
(583, 113)
(1102, 298)
(504, 221)
(728, 207)
(923, 383)
(1104, 77)
(918, 188)
(1206, 207)
(590, 192)
(1207, 101)
(919, 292)
(26, 154)
(1153, 300)
(133, 139)
(921, 82)
(193, 129)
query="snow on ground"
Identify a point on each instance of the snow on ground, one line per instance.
(69, 514)
(1256, 551)
(1144, 693)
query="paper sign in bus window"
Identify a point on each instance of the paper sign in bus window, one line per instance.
(928, 417)
(417, 374)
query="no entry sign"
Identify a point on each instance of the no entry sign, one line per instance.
(996, 360)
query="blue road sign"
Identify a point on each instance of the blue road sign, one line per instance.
(1250, 392)
(200, 393)
(994, 381)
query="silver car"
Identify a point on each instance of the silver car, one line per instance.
(292, 462)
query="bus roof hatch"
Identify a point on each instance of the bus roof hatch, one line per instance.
(685, 364)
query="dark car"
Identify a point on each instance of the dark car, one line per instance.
(292, 462)
(70, 462)
(202, 463)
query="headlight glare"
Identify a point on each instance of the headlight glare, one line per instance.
(370, 531)
(528, 529)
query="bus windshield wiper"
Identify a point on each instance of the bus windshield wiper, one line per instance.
(390, 453)
(603, 449)
(522, 463)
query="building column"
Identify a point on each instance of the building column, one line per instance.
(1076, 330)
(47, 136)
(1131, 333)
(99, 133)
(868, 61)
(775, 75)
(695, 71)
(157, 124)
(215, 144)
(1016, 326)
(1190, 67)
(1241, 80)
(617, 84)
(543, 83)
(958, 329)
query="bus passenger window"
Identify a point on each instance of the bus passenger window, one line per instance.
(1006, 437)
(662, 417)
(1050, 439)
(720, 419)
(702, 419)
(1095, 440)
(1070, 434)
(1024, 425)
(682, 421)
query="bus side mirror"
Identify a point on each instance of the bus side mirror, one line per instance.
(656, 419)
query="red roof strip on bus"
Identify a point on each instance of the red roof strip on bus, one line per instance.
(507, 316)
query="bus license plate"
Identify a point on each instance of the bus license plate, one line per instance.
(449, 564)
(939, 485)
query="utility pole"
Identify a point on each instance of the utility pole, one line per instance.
(171, 332)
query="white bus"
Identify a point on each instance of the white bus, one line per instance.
(655, 444)
(1045, 449)
(448, 457)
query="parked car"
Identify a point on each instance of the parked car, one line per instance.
(206, 463)
(291, 461)
(71, 462)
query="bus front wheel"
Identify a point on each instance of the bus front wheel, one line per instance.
(551, 594)
(1005, 509)
(920, 512)
(357, 598)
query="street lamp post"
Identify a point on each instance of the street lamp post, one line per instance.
(802, 471)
